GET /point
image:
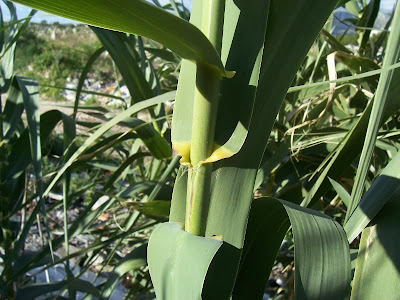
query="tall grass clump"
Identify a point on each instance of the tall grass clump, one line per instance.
(245, 63)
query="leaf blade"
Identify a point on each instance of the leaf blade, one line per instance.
(319, 240)
(137, 17)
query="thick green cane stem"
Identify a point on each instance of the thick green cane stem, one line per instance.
(198, 198)
(203, 130)
(213, 21)
(205, 115)
(207, 85)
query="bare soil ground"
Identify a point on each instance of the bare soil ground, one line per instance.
(46, 105)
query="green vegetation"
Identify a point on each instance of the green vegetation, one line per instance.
(55, 54)
(285, 152)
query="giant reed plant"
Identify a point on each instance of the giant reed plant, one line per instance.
(240, 58)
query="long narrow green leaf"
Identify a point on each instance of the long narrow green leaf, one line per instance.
(335, 44)
(377, 267)
(94, 247)
(176, 9)
(350, 147)
(83, 76)
(30, 96)
(22, 237)
(163, 54)
(21, 29)
(148, 69)
(104, 128)
(340, 190)
(108, 141)
(267, 225)
(134, 260)
(153, 140)
(115, 176)
(39, 289)
(48, 121)
(164, 177)
(2, 36)
(137, 17)
(385, 187)
(381, 96)
(230, 201)
(352, 6)
(11, 24)
(319, 241)
(7, 56)
(7, 69)
(120, 47)
(367, 20)
(344, 79)
(359, 65)
(18, 160)
(82, 92)
(156, 209)
(13, 110)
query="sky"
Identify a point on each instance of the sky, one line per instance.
(386, 5)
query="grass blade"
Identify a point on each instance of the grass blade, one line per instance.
(385, 187)
(344, 79)
(340, 190)
(137, 17)
(391, 57)
(83, 76)
(230, 201)
(117, 174)
(39, 289)
(377, 266)
(13, 110)
(351, 146)
(120, 47)
(319, 241)
(134, 260)
(104, 128)
(30, 96)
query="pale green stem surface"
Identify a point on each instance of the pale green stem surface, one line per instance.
(198, 198)
(203, 128)
(205, 115)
